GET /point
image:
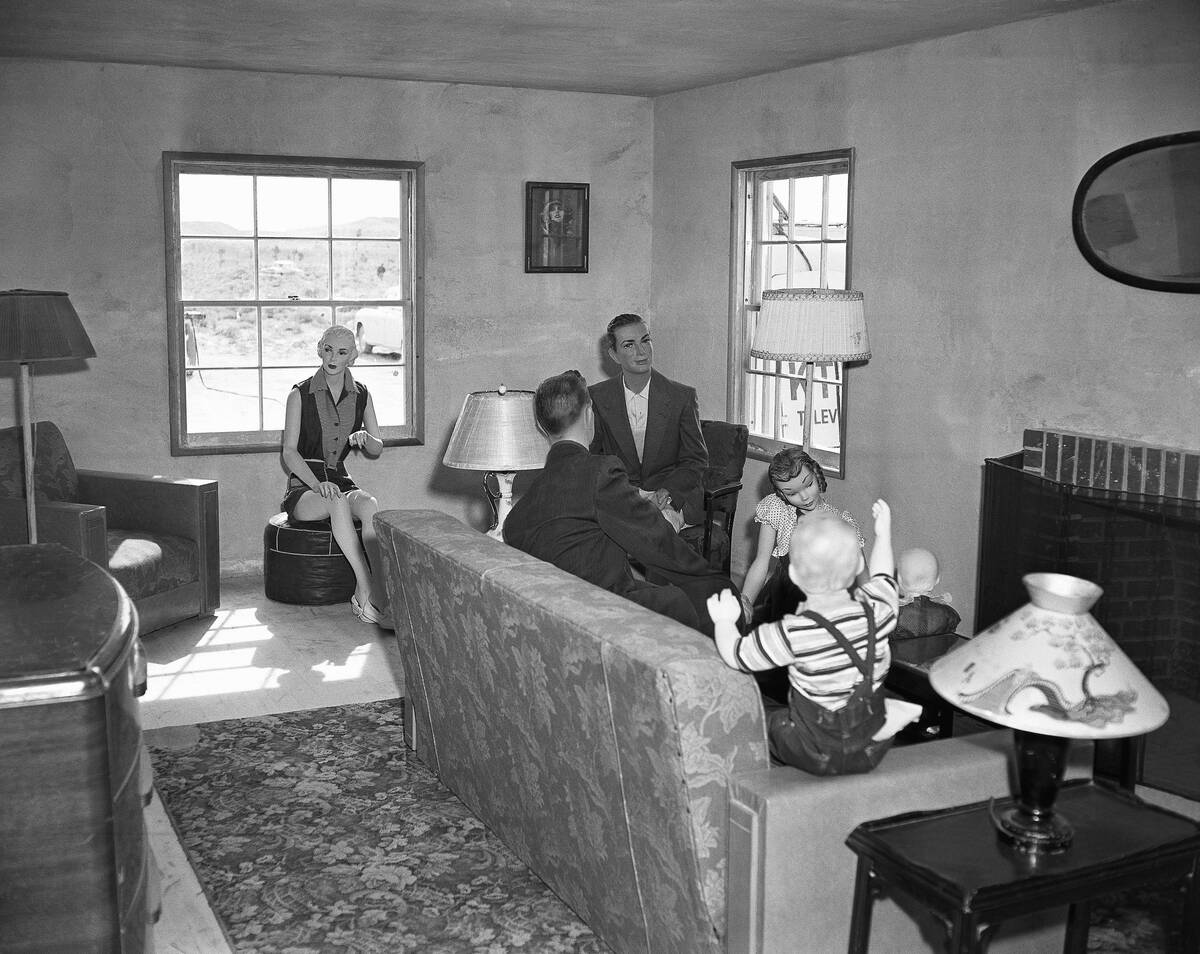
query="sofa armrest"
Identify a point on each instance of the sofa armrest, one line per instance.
(80, 528)
(791, 875)
(183, 506)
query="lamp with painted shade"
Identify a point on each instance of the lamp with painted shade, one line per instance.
(37, 326)
(1052, 674)
(811, 325)
(497, 432)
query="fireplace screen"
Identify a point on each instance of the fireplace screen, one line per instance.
(1143, 551)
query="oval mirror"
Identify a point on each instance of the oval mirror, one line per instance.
(1136, 214)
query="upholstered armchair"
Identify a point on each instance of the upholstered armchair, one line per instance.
(158, 536)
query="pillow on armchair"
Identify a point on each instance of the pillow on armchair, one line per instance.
(53, 469)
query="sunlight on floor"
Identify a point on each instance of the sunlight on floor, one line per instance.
(256, 656)
(232, 657)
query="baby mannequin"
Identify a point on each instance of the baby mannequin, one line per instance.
(921, 613)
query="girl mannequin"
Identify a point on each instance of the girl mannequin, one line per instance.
(799, 483)
(326, 416)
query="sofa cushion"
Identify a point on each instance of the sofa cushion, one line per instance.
(54, 471)
(146, 564)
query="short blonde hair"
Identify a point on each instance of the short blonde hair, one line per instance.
(824, 554)
(338, 331)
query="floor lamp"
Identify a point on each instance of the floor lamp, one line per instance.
(37, 326)
(811, 325)
(497, 432)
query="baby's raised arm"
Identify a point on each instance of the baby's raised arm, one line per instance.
(882, 560)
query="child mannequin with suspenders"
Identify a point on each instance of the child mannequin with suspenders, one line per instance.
(835, 646)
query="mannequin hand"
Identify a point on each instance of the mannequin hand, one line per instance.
(724, 607)
(883, 517)
(674, 518)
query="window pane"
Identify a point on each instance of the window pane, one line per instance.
(806, 266)
(292, 205)
(290, 335)
(377, 330)
(827, 415)
(277, 384)
(221, 337)
(220, 269)
(775, 266)
(807, 220)
(775, 212)
(835, 265)
(216, 205)
(388, 386)
(288, 267)
(790, 411)
(366, 269)
(366, 208)
(838, 216)
(222, 401)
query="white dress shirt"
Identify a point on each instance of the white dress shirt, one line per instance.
(637, 406)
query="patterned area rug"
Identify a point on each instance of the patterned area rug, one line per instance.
(319, 831)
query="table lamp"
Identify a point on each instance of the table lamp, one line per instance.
(1052, 674)
(811, 325)
(37, 326)
(497, 432)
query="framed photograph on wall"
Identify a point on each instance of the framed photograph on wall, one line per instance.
(556, 226)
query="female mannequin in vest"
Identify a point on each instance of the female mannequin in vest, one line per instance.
(327, 415)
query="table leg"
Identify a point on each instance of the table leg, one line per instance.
(860, 916)
(1191, 909)
(1079, 919)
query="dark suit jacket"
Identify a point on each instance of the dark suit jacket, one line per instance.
(582, 514)
(675, 456)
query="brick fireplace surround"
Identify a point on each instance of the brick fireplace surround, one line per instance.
(1123, 515)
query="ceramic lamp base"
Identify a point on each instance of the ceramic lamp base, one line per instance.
(500, 500)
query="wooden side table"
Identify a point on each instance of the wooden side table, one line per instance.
(953, 863)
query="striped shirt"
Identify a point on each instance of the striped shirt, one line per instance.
(818, 668)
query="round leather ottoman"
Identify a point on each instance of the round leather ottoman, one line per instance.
(302, 563)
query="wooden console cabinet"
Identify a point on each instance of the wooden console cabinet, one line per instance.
(76, 872)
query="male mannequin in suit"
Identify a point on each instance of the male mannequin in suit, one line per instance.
(582, 514)
(652, 424)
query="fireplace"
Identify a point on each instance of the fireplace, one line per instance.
(1126, 517)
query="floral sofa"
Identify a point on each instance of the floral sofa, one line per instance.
(615, 753)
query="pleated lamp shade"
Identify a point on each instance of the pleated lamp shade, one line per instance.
(40, 326)
(497, 431)
(811, 324)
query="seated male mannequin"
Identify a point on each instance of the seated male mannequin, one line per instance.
(582, 514)
(652, 424)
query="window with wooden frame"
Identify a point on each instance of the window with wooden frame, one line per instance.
(263, 254)
(791, 229)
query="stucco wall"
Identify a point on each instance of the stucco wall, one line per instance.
(81, 208)
(984, 318)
